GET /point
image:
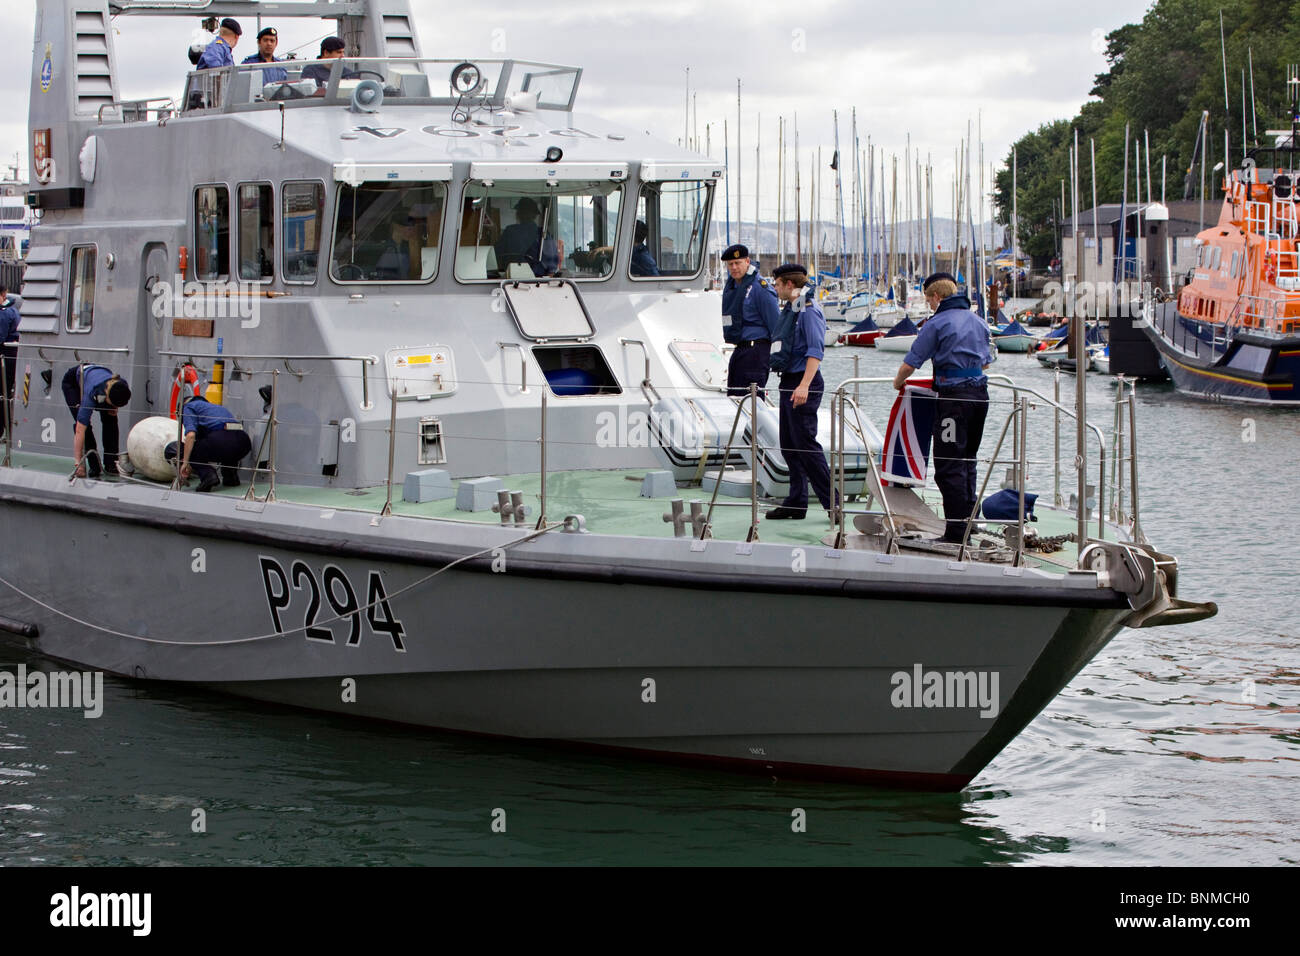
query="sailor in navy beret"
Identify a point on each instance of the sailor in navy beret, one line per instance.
(956, 342)
(219, 52)
(798, 348)
(750, 302)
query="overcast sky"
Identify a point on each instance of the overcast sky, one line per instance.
(923, 67)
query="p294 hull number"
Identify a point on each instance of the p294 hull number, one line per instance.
(300, 584)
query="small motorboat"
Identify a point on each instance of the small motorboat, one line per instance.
(864, 334)
(1014, 337)
(899, 338)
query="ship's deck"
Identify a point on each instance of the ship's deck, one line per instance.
(611, 503)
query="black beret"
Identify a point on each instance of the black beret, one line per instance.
(329, 44)
(789, 268)
(267, 32)
(734, 252)
(936, 277)
(233, 26)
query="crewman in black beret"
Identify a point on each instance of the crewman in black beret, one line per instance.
(220, 52)
(797, 352)
(750, 301)
(956, 342)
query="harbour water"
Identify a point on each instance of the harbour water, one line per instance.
(1175, 746)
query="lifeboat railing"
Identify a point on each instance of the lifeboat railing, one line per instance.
(1259, 217)
(1284, 218)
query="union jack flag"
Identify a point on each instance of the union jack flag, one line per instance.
(906, 455)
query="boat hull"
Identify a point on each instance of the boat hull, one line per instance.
(1253, 367)
(759, 669)
(1015, 343)
(895, 343)
(861, 339)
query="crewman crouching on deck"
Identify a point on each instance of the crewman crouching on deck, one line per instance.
(800, 344)
(213, 439)
(89, 389)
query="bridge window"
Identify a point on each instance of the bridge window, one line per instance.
(671, 229)
(387, 232)
(304, 213)
(1216, 258)
(1236, 260)
(81, 299)
(256, 232)
(211, 232)
(527, 229)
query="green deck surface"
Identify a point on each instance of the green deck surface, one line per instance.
(610, 501)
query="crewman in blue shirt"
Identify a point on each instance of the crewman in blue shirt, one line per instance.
(643, 264)
(213, 438)
(956, 341)
(88, 389)
(220, 52)
(750, 301)
(331, 48)
(9, 319)
(267, 39)
(797, 352)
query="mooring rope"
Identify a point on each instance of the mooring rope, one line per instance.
(293, 630)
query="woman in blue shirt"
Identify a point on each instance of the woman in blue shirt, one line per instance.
(797, 355)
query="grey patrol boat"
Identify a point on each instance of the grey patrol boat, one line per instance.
(497, 485)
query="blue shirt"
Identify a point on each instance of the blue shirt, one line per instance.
(270, 74)
(201, 416)
(643, 264)
(760, 312)
(93, 393)
(956, 340)
(803, 334)
(9, 319)
(733, 303)
(216, 55)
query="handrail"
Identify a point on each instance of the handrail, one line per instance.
(843, 397)
(365, 360)
(74, 349)
(1003, 381)
(644, 351)
(706, 527)
(523, 363)
(122, 105)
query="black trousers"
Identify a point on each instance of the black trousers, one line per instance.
(959, 416)
(10, 352)
(219, 448)
(108, 422)
(750, 364)
(803, 453)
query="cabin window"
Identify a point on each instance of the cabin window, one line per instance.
(1216, 258)
(211, 232)
(256, 232)
(304, 212)
(81, 298)
(388, 232)
(1236, 260)
(526, 229)
(671, 229)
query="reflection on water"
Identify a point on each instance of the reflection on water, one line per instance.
(1175, 746)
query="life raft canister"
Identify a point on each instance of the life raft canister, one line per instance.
(187, 377)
